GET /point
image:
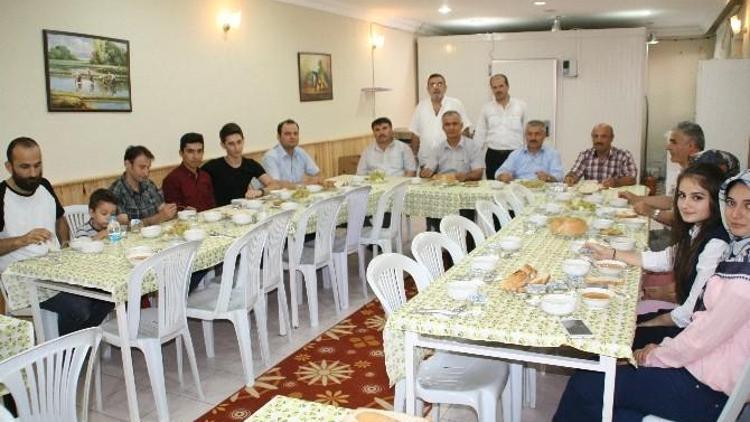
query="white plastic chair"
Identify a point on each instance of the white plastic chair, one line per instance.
(427, 248)
(76, 216)
(379, 237)
(509, 200)
(307, 258)
(347, 243)
(485, 211)
(468, 380)
(456, 227)
(43, 380)
(149, 328)
(235, 296)
(523, 193)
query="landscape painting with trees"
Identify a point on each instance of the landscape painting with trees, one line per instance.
(86, 72)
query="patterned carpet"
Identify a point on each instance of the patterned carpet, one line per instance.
(342, 367)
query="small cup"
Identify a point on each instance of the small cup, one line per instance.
(135, 226)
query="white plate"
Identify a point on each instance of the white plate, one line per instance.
(289, 206)
(138, 254)
(558, 303)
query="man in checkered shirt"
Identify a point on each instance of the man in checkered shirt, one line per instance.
(610, 166)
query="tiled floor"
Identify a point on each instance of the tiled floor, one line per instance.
(222, 375)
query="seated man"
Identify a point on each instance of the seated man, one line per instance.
(286, 162)
(32, 222)
(102, 206)
(137, 196)
(535, 160)
(610, 166)
(394, 158)
(189, 186)
(235, 176)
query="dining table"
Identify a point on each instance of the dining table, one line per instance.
(16, 336)
(510, 325)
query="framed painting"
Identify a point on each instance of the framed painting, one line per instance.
(86, 72)
(315, 77)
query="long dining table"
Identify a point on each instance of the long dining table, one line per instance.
(510, 325)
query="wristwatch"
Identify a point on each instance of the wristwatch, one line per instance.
(655, 214)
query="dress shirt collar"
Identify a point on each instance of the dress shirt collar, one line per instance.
(459, 145)
(540, 151)
(282, 152)
(390, 146)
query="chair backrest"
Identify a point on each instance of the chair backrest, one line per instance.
(171, 269)
(356, 203)
(326, 212)
(739, 397)
(427, 248)
(242, 276)
(385, 275)
(456, 227)
(485, 211)
(44, 379)
(391, 200)
(524, 193)
(76, 216)
(278, 229)
(508, 200)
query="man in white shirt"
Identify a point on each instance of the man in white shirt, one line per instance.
(426, 124)
(286, 162)
(394, 158)
(500, 125)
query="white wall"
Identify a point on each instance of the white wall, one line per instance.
(610, 86)
(187, 77)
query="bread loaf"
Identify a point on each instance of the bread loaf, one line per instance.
(567, 226)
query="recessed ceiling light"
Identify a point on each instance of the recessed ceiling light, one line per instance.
(540, 3)
(444, 9)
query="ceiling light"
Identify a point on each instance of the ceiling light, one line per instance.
(556, 24)
(736, 24)
(540, 3)
(444, 9)
(652, 39)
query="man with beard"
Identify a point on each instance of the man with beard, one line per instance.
(610, 166)
(31, 223)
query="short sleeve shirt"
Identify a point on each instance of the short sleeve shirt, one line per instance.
(229, 182)
(619, 163)
(291, 168)
(429, 126)
(501, 128)
(137, 205)
(464, 157)
(395, 160)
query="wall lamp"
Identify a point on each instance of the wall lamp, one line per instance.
(229, 20)
(736, 24)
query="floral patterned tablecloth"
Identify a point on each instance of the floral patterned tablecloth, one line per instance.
(508, 317)
(16, 336)
(287, 409)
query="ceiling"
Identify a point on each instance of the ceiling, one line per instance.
(665, 18)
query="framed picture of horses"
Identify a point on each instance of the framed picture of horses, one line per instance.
(86, 72)
(315, 76)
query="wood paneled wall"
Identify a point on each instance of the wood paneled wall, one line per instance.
(326, 154)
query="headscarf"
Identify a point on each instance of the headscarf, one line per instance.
(726, 161)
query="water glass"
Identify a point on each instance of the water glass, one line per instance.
(135, 226)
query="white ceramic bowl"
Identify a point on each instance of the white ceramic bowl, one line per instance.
(594, 198)
(462, 289)
(151, 231)
(510, 243)
(576, 267)
(284, 194)
(634, 223)
(186, 214)
(314, 188)
(622, 243)
(211, 216)
(564, 196)
(92, 246)
(253, 204)
(596, 297)
(538, 219)
(610, 267)
(577, 245)
(618, 202)
(602, 223)
(78, 242)
(138, 254)
(242, 218)
(194, 234)
(553, 208)
(289, 206)
(484, 263)
(238, 202)
(558, 303)
(358, 179)
(605, 212)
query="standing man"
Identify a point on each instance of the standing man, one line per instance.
(189, 186)
(500, 125)
(533, 161)
(286, 162)
(32, 222)
(426, 124)
(235, 176)
(610, 166)
(137, 196)
(391, 157)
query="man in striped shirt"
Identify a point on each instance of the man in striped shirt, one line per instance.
(610, 166)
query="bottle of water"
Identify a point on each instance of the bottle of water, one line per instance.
(114, 231)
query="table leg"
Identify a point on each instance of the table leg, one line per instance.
(410, 373)
(36, 313)
(127, 361)
(610, 371)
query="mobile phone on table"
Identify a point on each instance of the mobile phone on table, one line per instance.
(576, 328)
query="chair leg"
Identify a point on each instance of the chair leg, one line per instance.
(155, 366)
(241, 323)
(285, 325)
(311, 283)
(506, 403)
(487, 408)
(341, 267)
(261, 321)
(293, 291)
(193, 362)
(516, 388)
(362, 278)
(399, 397)
(208, 337)
(529, 390)
(331, 271)
(98, 384)
(178, 347)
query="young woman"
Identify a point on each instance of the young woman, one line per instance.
(699, 240)
(688, 377)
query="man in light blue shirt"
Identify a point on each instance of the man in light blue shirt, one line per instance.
(456, 154)
(287, 163)
(533, 161)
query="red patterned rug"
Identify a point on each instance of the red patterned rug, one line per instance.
(343, 367)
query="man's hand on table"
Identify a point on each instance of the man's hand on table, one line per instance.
(570, 179)
(544, 176)
(426, 173)
(167, 211)
(36, 236)
(253, 193)
(642, 208)
(609, 183)
(505, 177)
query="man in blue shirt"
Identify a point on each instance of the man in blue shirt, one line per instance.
(287, 163)
(535, 160)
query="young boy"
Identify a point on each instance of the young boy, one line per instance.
(102, 206)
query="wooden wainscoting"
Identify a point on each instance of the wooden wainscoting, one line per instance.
(326, 154)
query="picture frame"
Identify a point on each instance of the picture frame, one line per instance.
(315, 76)
(86, 73)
